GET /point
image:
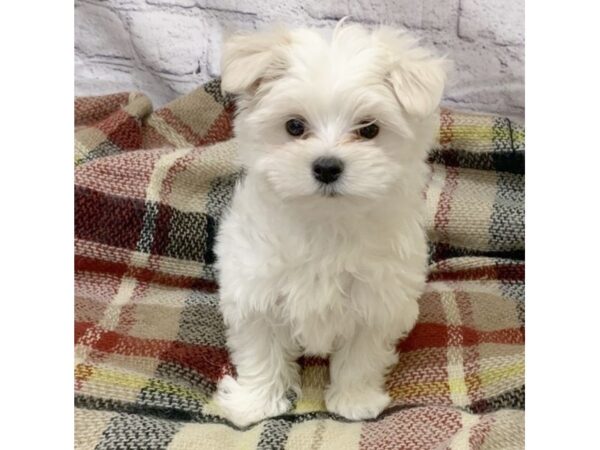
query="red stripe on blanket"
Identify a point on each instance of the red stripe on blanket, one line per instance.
(108, 219)
(80, 329)
(446, 128)
(123, 130)
(90, 110)
(207, 360)
(431, 335)
(144, 275)
(222, 127)
(178, 125)
(508, 272)
(442, 215)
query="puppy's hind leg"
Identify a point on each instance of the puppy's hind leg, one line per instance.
(265, 359)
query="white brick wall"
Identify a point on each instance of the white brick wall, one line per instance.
(165, 48)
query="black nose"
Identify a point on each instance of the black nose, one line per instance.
(327, 170)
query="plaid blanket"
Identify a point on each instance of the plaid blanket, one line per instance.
(149, 339)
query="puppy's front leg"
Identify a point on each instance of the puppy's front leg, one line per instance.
(357, 373)
(264, 357)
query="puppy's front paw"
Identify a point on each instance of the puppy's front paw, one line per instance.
(356, 404)
(244, 404)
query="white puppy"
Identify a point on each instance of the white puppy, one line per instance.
(322, 251)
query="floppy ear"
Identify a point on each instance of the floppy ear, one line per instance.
(249, 58)
(416, 76)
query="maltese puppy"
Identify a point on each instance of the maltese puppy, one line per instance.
(322, 251)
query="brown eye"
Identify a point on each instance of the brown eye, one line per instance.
(368, 131)
(295, 127)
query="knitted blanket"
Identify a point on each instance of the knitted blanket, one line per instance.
(149, 340)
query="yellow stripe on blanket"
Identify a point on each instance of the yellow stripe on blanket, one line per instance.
(476, 132)
(419, 389)
(496, 375)
(104, 379)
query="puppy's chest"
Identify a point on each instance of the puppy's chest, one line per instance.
(319, 310)
(315, 285)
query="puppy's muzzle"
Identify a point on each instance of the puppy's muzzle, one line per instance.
(327, 169)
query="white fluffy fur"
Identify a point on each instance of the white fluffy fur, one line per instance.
(303, 272)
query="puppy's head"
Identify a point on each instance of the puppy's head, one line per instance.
(345, 116)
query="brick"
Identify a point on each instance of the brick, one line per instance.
(183, 3)
(404, 12)
(100, 32)
(167, 42)
(486, 78)
(246, 6)
(497, 20)
(440, 15)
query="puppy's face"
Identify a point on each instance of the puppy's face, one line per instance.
(326, 118)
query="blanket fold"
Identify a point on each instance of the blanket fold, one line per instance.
(150, 188)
